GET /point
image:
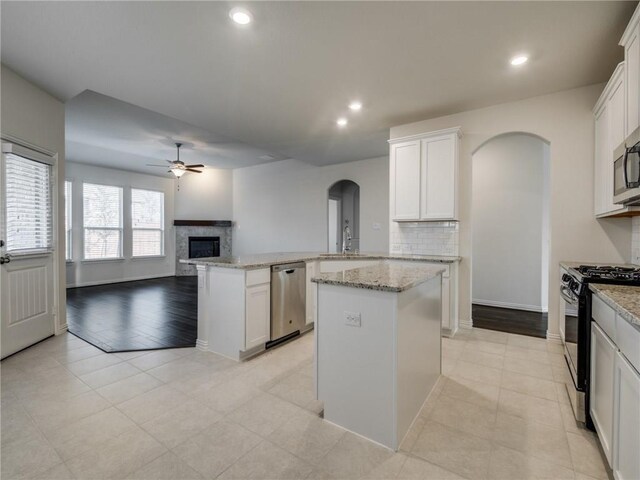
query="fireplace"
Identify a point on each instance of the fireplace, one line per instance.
(200, 247)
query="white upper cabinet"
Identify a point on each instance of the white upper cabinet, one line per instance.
(405, 170)
(610, 123)
(631, 43)
(601, 148)
(438, 178)
(610, 132)
(424, 176)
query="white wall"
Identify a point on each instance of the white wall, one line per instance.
(32, 115)
(282, 206)
(205, 196)
(565, 120)
(83, 273)
(508, 217)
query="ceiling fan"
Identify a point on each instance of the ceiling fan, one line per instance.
(177, 167)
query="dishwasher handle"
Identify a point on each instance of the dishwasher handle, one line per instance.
(289, 267)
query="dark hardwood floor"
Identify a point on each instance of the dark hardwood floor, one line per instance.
(142, 315)
(511, 321)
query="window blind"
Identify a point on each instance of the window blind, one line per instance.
(102, 221)
(147, 222)
(29, 206)
(67, 219)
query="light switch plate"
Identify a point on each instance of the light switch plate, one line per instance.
(376, 226)
(353, 319)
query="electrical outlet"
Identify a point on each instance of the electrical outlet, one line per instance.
(376, 226)
(353, 319)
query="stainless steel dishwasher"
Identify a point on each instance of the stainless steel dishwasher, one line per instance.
(288, 301)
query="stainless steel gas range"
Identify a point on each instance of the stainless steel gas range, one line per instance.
(575, 324)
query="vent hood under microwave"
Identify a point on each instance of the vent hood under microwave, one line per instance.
(626, 171)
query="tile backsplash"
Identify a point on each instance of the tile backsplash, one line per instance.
(425, 238)
(635, 240)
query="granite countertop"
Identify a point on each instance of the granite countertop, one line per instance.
(264, 260)
(624, 299)
(385, 277)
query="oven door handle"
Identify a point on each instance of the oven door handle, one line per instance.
(564, 293)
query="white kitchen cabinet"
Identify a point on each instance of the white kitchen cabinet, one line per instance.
(312, 294)
(600, 164)
(258, 314)
(626, 454)
(405, 174)
(438, 170)
(424, 176)
(603, 366)
(631, 42)
(614, 390)
(610, 121)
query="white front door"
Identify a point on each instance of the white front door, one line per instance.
(27, 251)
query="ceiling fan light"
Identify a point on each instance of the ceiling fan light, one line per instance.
(178, 172)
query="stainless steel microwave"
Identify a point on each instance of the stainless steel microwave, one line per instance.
(626, 171)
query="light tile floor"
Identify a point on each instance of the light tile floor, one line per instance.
(70, 411)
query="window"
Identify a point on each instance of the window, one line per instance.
(29, 211)
(102, 212)
(67, 219)
(147, 222)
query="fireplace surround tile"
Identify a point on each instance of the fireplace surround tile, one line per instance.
(182, 244)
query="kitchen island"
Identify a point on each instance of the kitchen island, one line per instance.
(234, 308)
(378, 347)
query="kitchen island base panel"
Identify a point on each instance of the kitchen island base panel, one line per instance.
(375, 378)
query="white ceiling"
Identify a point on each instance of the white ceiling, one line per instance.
(280, 84)
(104, 131)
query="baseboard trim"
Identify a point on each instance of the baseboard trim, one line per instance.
(62, 329)
(513, 306)
(554, 337)
(202, 345)
(466, 323)
(119, 280)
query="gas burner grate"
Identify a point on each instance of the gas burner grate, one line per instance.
(610, 272)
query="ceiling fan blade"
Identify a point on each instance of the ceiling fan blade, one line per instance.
(155, 165)
(193, 170)
(195, 166)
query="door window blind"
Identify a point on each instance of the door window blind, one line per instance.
(29, 205)
(102, 221)
(147, 222)
(67, 219)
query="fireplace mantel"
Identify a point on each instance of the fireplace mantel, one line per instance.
(202, 223)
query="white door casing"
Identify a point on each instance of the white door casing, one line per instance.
(27, 288)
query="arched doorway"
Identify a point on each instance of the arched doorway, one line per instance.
(343, 216)
(510, 234)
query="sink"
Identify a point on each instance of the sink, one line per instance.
(343, 255)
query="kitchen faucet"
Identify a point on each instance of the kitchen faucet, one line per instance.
(346, 238)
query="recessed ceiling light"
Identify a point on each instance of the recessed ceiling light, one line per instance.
(355, 106)
(241, 16)
(519, 60)
(342, 122)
